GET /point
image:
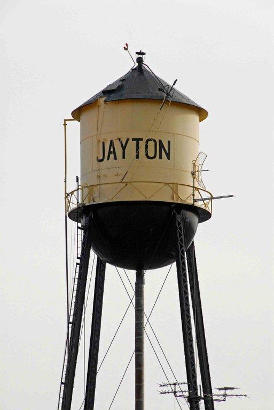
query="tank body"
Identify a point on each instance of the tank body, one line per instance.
(131, 151)
(137, 158)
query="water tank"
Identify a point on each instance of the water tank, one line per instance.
(139, 141)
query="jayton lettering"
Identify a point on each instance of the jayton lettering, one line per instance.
(150, 148)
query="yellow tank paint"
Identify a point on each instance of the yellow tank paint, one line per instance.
(131, 150)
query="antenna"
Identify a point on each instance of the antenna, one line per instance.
(177, 391)
(213, 197)
(166, 89)
(197, 169)
(127, 49)
(174, 388)
(168, 93)
(223, 395)
(172, 384)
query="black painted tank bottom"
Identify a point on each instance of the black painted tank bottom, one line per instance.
(193, 397)
(95, 334)
(139, 340)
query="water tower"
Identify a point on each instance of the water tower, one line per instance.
(139, 202)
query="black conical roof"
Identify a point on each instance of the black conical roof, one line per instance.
(140, 83)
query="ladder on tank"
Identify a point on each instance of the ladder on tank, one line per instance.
(79, 237)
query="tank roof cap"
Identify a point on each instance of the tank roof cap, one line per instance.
(141, 83)
(140, 59)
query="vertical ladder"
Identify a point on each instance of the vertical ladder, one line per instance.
(79, 231)
(79, 240)
(76, 322)
(71, 312)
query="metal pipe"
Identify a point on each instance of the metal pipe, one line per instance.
(193, 396)
(66, 224)
(139, 340)
(66, 218)
(199, 326)
(95, 334)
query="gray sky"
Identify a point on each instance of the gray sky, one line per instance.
(54, 55)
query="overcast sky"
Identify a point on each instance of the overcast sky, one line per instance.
(54, 55)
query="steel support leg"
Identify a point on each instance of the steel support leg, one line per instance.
(95, 334)
(139, 340)
(199, 326)
(76, 320)
(185, 315)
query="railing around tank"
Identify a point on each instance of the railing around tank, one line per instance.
(198, 196)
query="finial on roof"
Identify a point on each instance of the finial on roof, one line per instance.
(140, 59)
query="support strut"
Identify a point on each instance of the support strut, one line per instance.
(73, 343)
(199, 326)
(193, 397)
(95, 334)
(139, 340)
